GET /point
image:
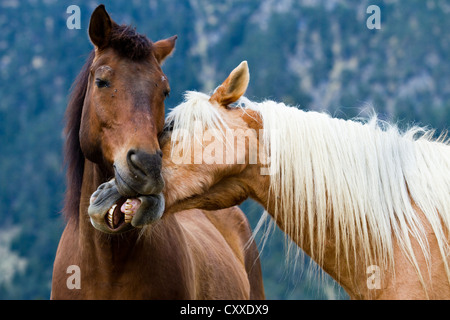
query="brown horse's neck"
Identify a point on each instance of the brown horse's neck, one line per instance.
(98, 245)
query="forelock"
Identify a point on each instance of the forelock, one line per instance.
(128, 43)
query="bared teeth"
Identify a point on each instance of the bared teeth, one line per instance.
(111, 216)
(128, 209)
(129, 213)
(128, 218)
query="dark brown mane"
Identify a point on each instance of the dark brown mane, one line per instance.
(73, 156)
(128, 43)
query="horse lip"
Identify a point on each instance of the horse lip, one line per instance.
(127, 190)
(123, 187)
(153, 213)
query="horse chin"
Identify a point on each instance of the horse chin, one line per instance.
(111, 212)
(150, 210)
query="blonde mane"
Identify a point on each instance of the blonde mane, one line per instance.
(359, 180)
(191, 117)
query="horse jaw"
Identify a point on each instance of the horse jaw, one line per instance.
(110, 212)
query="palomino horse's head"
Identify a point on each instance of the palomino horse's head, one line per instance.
(209, 148)
(123, 113)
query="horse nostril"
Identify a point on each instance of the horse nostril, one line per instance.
(160, 153)
(134, 163)
(142, 164)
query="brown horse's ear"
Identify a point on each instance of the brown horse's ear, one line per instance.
(100, 27)
(233, 87)
(163, 48)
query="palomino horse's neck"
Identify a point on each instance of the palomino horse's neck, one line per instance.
(350, 203)
(359, 281)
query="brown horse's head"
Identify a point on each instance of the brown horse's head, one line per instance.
(123, 110)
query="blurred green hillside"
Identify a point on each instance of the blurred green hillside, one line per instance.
(316, 54)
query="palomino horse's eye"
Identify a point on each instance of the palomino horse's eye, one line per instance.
(101, 83)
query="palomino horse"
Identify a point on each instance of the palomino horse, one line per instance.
(369, 204)
(113, 120)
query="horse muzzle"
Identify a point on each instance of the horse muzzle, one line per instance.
(140, 174)
(111, 212)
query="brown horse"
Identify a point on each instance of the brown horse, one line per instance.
(114, 117)
(369, 204)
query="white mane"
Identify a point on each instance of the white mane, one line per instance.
(359, 179)
(187, 116)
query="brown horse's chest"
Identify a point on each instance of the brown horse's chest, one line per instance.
(94, 287)
(183, 257)
(141, 273)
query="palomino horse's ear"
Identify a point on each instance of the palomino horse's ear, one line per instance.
(163, 48)
(100, 27)
(233, 87)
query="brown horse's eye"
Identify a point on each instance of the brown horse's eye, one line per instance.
(101, 83)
